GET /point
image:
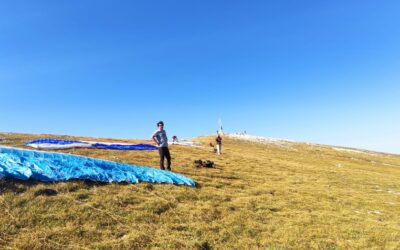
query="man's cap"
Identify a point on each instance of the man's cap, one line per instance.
(160, 123)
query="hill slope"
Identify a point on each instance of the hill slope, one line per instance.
(280, 195)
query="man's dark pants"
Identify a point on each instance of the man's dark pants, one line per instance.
(164, 153)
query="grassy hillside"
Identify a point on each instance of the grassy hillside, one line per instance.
(273, 195)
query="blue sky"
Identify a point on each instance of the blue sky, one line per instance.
(317, 71)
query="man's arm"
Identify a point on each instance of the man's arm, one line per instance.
(154, 137)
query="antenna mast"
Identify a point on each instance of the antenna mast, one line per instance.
(220, 130)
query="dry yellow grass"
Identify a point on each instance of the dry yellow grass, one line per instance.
(266, 196)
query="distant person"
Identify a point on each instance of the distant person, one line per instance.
(160, 138)
(213, 147)
(218, 140)
(174, 139)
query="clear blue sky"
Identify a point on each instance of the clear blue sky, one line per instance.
(317, 71)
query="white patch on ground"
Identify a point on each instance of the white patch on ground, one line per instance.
(374, 212)
(393, 192)
(186, 143)
(391, 165)
(289, 144)
(378, 189)
(263, 140)
(349, 150)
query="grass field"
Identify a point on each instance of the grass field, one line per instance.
(260, 196)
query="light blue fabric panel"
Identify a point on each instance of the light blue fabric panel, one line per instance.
(47, 166)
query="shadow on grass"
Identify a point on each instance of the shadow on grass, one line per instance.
(17, 186)
(20, 186)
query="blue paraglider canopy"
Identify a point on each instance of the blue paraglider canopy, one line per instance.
(49, 166)
(50, 143)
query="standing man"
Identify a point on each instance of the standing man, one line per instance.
(160, 138)
(218, 140)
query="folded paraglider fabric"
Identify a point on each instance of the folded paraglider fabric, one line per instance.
(50, 143)
(117, 146)
(49, 166)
